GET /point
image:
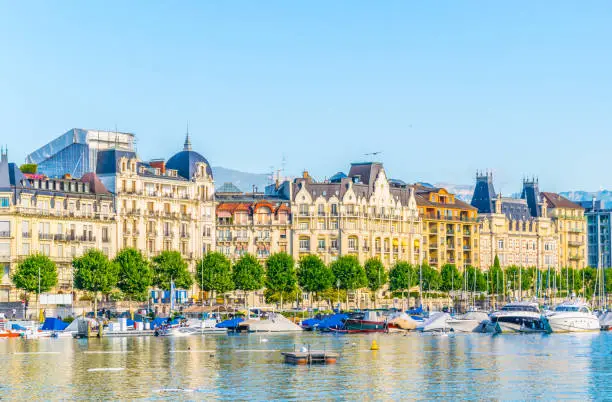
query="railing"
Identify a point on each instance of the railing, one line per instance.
(5, 234)
(575, 258)
(26, 235)
(574, 230)
(333, 249)
(45, 236)
(241, 238)
(573, 243)
(185, 235)
(105, 239)
(467, 247)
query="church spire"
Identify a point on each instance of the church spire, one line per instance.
(187, 146)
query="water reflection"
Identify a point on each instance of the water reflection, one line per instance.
(250, 367)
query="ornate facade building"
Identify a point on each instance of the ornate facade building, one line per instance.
(255, 223)
(364, 214)
(450, 228)
(161, 205)
(60, 218)
(571, 226)
(517, 231)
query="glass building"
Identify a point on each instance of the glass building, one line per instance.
(598, 233)
(75, 152)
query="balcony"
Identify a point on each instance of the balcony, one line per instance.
(573, 243)
(574, 230)
(320, 249)
(450, 246)
(433, 260)
(263, 239)
(5, 234)
(152, 233)
(467, 233)
(185, 235)
(575, 258)
(352, 249)
(467, 247)
(105, 239)
(241, 238)
(170, 235)
(45, 236)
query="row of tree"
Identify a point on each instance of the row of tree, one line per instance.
(283, 279)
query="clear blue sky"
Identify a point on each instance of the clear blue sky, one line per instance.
(441, 88)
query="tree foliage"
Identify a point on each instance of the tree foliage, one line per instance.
(313, 275)
(349, 272)
(135, 274)
(248, 274)
(214, 272)
(280, 273)
(402, 276)
(376, 274)
(94, 272)
(431, 278)
(26, 275)
(475, 279)
(30, 168)
(169, 266)
(450, 278)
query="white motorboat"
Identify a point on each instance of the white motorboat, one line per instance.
(517, 317)
(468, 322)
(572, 317)
(437, 322)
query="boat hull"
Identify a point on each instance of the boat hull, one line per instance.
(573, 324)
(520, 325)
(463, 325)
(355, 326)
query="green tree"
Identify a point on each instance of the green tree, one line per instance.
(95, 273)
(450, 278)
(496, 262)
(169, 266)
(214, 273)
(431, 278)
(135, 274)
(376, 274)
(349, 273)
(28, 168)
(402, 276)
(496, 280)
(313, 275)
(475, 278)
(280, 274)
(29, 271)
(248, 274)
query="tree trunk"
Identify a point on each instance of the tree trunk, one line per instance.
(96, 306)
(281, 300)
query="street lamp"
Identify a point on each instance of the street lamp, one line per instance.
(338, 294)
(38, 298)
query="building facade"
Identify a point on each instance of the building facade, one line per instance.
(449, 227)
(363, 214)
(161, 205)
(60, 218)
(254, 223)
(570, 223)
(599, 241)
(509, 231)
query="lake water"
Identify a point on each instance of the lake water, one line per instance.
(239, 367)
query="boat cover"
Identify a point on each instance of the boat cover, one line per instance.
(335, 321)
(54, 324)
(17, 327)
(231, 323)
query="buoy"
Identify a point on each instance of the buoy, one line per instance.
(374, 345)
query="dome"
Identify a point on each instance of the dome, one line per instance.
(185, 162)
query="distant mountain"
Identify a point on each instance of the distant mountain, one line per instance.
(462, 191)
(243, 180)
(604, 195)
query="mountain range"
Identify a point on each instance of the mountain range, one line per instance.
(245, 181)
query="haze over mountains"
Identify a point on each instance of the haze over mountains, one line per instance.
(245, 182)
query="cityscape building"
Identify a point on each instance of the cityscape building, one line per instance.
(599, 221)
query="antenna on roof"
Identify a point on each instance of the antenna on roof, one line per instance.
(373, 153)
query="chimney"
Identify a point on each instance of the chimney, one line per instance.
(305, 174)
(159, 164)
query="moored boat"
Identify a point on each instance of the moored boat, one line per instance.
(517, 317)
(365, 321)
(572, 317)
(468, 322)
(435, 323)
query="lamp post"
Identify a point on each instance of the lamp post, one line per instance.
(38, 298)
(338, 293)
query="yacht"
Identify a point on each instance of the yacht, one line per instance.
(468, 322)
(517, 317)
(572, 317)
(437, 322)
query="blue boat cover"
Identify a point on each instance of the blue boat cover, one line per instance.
(17, 327)
(232, 323)
(54, 324)
(333, 321)
(310, 322)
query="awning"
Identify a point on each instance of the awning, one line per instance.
(224, 214)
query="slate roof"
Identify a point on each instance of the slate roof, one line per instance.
(95, 185)
(484, 194)
(108, 160)
(185, 163)
(515, 209)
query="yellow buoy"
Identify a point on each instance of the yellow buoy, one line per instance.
(374, 345)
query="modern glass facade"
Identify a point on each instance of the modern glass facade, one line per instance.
(598, 230)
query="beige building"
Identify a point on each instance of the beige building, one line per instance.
(252, 223)
(450, 228)
(162, 205)
(364, 214)
(571, 226)
(60, 218)
(509, 231)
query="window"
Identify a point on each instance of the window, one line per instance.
(334, 244)
(60, 251)
(304, 244)
(26, 249)
(321, 245)
(44, 249)
(5, 249)
(334, 209)
(352, 243)
(500, 244)
(303, 226)
(4, 202)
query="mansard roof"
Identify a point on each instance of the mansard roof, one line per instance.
(554, 200)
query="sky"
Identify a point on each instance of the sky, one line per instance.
(441, 89)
